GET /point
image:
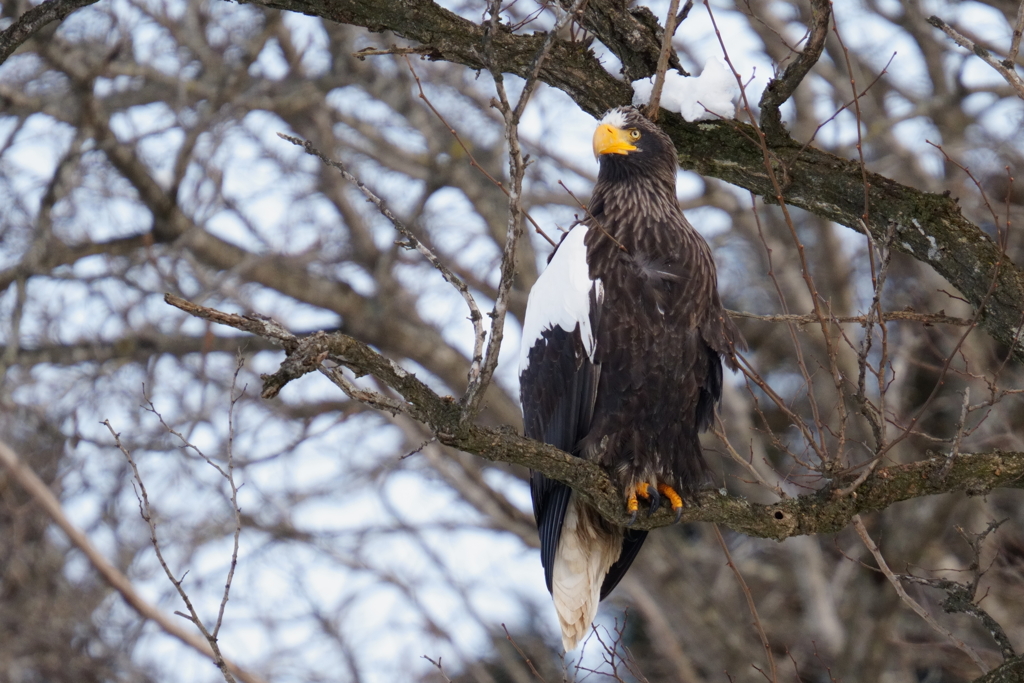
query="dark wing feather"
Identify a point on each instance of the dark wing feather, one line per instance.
(631, 542)
(550, 503)
(557, 390)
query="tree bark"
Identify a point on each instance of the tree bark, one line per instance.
(926, 226)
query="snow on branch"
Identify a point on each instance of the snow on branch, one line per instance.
(712, 95)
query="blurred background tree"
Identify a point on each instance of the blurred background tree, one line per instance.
(139, 155)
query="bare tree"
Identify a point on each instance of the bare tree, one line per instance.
(866, 523)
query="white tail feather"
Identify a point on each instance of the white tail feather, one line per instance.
(586, 551)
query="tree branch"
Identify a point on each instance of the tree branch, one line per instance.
(35, 487)
(909, 601)
(781, 89)
(1008, 72)
(1009, 672)
(819, 512)
(927, 226)
(33, 20)
(136, 347)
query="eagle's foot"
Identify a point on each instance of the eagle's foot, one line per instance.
(647, 492)
(674, 498)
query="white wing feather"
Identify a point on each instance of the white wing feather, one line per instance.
(561, 296)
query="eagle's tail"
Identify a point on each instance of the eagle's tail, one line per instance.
(587, 549)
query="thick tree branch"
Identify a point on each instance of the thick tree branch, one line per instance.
(571, 67)
(927, 226)
(630, 35)
(820, 512)
(1009, 672)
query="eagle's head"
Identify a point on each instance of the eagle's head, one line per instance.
(628, 145)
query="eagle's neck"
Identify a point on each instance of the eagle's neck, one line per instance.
(635, 202)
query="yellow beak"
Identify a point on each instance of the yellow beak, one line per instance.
(611, 140)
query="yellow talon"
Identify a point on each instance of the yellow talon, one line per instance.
(674, 498)
(643, 489)
(670, 493)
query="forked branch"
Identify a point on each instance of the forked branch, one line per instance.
(782, 88)
(818, 512)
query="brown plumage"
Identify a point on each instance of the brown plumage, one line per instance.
(623, 340)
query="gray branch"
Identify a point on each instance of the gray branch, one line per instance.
(33, 20)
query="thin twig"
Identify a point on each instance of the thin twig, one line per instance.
(374, 399)
(663, 56)
(229, 475)
(592, 218)
(766, 154)
(750, 604)
(846, 106)
(960, 424)
(909, 601)
(440, 669)
(801, 363)
(361, 55)
(719, 431)
(469, 154)
(41, 493)
(875, 415)
(522, 654)
(412, 243)
(979, 311)
(887, 316)
(147, 514)
(517, 171)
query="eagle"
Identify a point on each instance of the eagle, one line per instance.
(621, 362)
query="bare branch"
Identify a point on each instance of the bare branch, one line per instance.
(666, 50)
(887, 316)
(909, 601)
(411, 243)
(819, 512)
(469, 153)
(111, 574)
(1018, 32)
(33, 20)
(774, 677)
(147, 514)
(1009, 672)
(1008, 72)
(961, 425)
(514, 229)
(781, 89)
(393, 50)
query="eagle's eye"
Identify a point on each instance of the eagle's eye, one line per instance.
(634, 134)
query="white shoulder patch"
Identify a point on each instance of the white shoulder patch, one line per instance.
(615, 118)
(561, 296)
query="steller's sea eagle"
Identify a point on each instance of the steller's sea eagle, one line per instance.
(621, 361)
